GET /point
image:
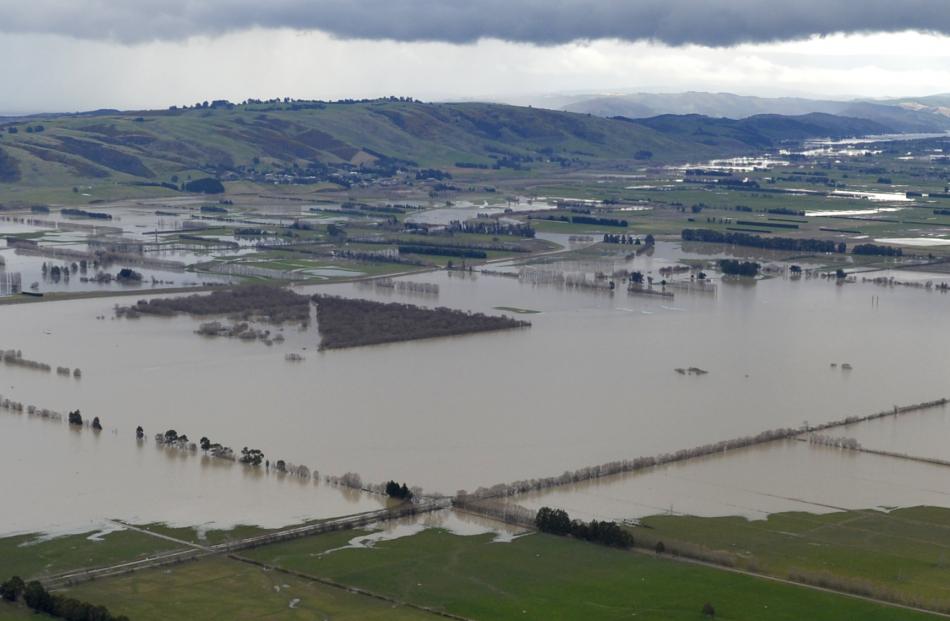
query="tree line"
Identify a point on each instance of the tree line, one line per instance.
(755, 241)
(37, 598)
(558, 522)
(877, 250)
(588, 473)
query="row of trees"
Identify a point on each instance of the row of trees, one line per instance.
(877, 250)
(558, 522)
(599, 221)
(82, 213)
(36, 597)
(515, 488)
(755, 241)
(631, 465)
(14, 357)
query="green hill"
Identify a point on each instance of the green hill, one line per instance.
(316, 141)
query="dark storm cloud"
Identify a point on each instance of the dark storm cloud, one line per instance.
(676, 22)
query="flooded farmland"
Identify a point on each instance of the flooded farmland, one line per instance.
(592, 380)
(753, 483)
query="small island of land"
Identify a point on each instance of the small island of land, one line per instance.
(346, 322)
(245, 302)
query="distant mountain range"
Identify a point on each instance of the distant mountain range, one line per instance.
(922, 114)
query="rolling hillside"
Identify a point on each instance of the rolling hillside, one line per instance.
(151, 148)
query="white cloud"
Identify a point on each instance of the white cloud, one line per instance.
(53, 72)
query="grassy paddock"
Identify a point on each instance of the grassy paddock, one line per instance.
(222, 588)
(902, 555)
(29, 557)
(550, 578)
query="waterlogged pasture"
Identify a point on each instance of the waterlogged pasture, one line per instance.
(592, 380)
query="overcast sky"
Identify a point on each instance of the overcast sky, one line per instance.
(84, 54)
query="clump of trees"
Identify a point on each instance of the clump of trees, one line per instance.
(400, 492)
(877, 250)
(36, 597)
(836, 442)
(613, 238)
(350, 479)
(173, 439)
(733, 267)
(12, 588)
(756, 241)
(346, 322)
(251, 456)
(74, 418)
(241, 330)
(206, 185)
(254, 301)
(491, 226)
(558, 522)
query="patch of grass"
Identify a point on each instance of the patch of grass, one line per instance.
(547, 577)
(29, 556)
(18, 612)
(905, 552)
(221, 588)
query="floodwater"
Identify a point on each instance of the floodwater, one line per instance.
(65, 480)
(591, 381)
(753, 483)
(920, 434)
